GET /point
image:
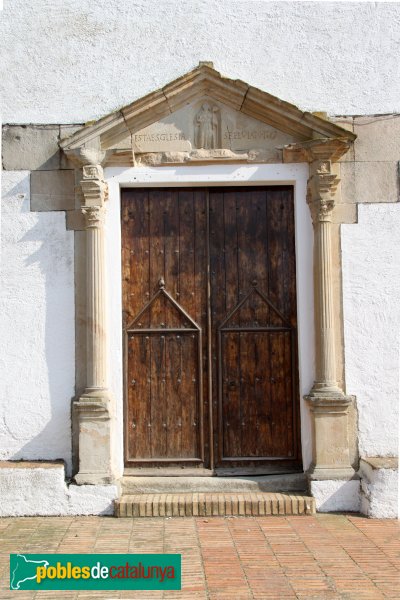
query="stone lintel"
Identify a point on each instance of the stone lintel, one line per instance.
(220, 156)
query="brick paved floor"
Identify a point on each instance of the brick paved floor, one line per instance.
(228, 558)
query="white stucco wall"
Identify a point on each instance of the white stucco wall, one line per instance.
(336, 495)
(76, 60)
(37, 345)
(35, 490)
(371, 292)
(379, 491)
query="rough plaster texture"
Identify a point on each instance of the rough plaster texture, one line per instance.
(37, 324)
(379, 492)
(331, 496)
(371, 288)
(43, 491)
(65, 61)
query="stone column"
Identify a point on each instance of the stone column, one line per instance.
(95, 406)
(328, 404)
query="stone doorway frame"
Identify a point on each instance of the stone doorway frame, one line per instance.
(96, 146)
(215, 176)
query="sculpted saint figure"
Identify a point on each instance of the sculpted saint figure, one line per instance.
(207, 127)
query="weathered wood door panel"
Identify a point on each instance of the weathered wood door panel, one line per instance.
(164, 272)
(209, 300)
(253, 300)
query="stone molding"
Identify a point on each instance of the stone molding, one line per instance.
(92, 408)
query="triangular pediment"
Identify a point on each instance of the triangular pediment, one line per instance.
(203, 110)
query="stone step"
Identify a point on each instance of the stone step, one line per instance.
(213, 505)
(290, 482)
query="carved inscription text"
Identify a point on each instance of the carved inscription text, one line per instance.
(249, 135)
(158, 137)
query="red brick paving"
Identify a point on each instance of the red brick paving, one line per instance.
(326, 557)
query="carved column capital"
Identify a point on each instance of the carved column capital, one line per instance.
(321, 154)
(94, 216)
(86, 155)
(94, 187)
(321, 189)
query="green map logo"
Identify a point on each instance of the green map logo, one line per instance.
(95, 571)
(24, 566)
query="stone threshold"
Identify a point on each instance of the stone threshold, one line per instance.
(214, 505)
(290, 482)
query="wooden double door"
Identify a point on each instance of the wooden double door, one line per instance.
(209, 318)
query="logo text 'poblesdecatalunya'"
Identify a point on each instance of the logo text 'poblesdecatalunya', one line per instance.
(95, 571)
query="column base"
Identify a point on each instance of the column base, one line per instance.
(95, 418)
(331, 473)
(328, 390)
(331, 452)
(328, 400)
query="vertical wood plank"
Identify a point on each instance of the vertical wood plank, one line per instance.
(159, 390)
(263, 396)
(217, 281)
(201, 288)
(139, 400)
(278, 394)
(173, 395)
(230, 395)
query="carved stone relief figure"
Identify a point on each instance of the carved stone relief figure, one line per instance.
(207, 126)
